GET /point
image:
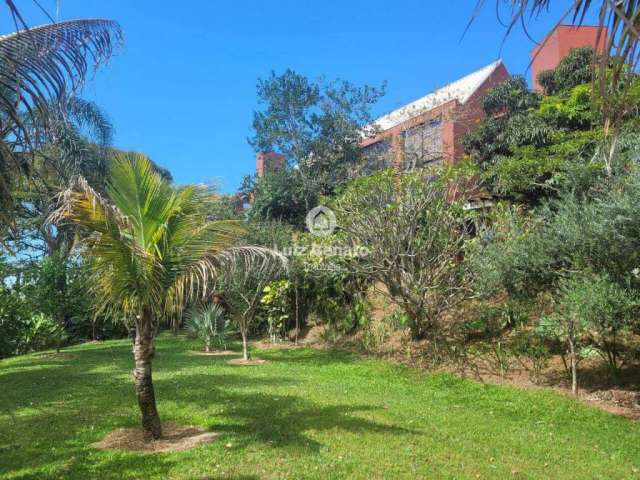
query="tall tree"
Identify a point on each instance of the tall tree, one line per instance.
(317, 125)
(152, 248)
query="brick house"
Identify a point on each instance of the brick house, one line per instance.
(560, 42)
(429, 130)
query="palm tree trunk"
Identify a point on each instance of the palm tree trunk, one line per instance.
(143, 350)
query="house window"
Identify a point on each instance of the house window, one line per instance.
(423, 144)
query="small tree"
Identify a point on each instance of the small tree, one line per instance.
(276, 304)
(414, 240)
(591, 312)
(242, 287)
(153, 249)
(209, 324)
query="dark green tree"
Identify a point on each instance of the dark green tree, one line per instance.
(317, 125)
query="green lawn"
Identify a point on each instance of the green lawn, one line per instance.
(306, 414)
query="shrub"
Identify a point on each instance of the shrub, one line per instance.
(528, 345)
(209, 324)
(599, 311)
(574, 69)
(276, 307)
(15, 313)
(414, 240)
(40, 333)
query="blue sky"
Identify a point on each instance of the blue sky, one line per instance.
(182, 89)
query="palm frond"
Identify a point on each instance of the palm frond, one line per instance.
(51, 62)
(152, 246)
(619, 21)
(124, 273)
(40, 68)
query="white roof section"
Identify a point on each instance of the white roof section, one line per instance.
(459, 90)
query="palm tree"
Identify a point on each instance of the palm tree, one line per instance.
(40, 69)
(152, 248)
(209, 324)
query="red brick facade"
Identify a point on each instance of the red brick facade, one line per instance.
(268, 162)
(457, 120)
(559, 43)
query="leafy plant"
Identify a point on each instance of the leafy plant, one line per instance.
(591, 315)
(242, 286)
(413, 240)
(210, 324)
(40, 333)
(276, 306)
(531, 346)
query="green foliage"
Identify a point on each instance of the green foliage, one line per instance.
(572, 111)
(209, 324)
(156, 245)
(509, 97)
(530, 148)
(270, 234)
(282, 196)
(40, 333)
(276, 307)
(602, 312)
(60, 293)
(317, 125)
(600, 233)
(226, 207)
(413, 238)
(14, 315)
(531, 350)
(493, 320)
(574, 69)
(529, 173)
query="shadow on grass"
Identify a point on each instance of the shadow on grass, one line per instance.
(52, 409)
(278, 420)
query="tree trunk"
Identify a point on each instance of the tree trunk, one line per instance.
(245, 349)
(573, 359)
(143, 353)
(297, 316)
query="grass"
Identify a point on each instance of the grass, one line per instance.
(306, 414)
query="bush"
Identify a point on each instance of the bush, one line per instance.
(14, 316)
(603, 311)
(276, 307)
(574, 69)
(414, 241)
(531, 346)
(40, 333)
(210, 325)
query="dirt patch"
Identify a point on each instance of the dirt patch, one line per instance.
(267, 344)
(242, 361)
(311, 335)
(174, 439)
(216, 353)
